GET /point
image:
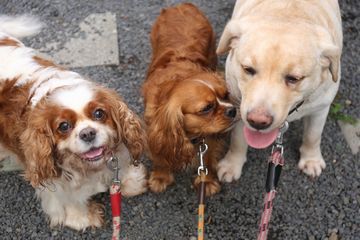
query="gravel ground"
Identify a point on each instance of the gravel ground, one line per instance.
(304, 208)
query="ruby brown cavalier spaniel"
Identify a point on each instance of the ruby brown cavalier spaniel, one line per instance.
(185, 100)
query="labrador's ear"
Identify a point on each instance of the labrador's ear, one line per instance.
(330, 58)
(329, 52)
(229, 37)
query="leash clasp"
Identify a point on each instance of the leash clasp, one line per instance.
(278, 145)
(113, 164)
(203, 147)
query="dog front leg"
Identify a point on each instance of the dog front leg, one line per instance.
(212, 185)
(230, 167)
(71, 209)
(311, 160)
(161, 176)
(133, 178)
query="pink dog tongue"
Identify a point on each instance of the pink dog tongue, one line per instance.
(258, 139)
(93, 153)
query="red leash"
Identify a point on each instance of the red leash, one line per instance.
(276, 162)
(115, 197)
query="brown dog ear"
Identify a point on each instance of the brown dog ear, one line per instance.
(229, 37)
(128, 125)
(166, 136)
(38, 145)
(330, 58)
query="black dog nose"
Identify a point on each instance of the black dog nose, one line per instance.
(87, 134)
(230, 112)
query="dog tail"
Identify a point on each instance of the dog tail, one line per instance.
(20, 26)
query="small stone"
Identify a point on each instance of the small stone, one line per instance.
(312, 238)
(9, 229)
(347, 102)
(334, 161)
(54, 233)
(333, 236)
(104, 236)
(341, 215)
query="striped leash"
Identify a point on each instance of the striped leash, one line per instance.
(202, 172)
(276, 161)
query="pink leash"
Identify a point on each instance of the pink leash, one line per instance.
(276, 161)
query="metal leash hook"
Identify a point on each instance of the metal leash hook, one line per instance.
(203, 147)
(115, 197)
(202, 172)
(280, 137)
(276, 161)
(113, 164)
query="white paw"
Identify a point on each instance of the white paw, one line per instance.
(80, 217)
(229, 170)
(134, 181)
(312, 168)
(78, 223)
(57, 219)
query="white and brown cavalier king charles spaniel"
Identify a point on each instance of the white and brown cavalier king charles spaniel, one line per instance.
(63, 129)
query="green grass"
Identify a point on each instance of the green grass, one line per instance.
(336, 113)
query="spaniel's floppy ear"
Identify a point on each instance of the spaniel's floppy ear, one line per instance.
(38, 145)
(128, 124)
(229, 37)
(166, 135)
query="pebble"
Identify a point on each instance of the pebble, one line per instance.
(333, 236)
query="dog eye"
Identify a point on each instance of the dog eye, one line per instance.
(64, 127)
(208, 108)
(99, 114)
(249, 70)
(292, 79)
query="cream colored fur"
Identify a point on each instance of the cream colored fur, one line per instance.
(278, 38)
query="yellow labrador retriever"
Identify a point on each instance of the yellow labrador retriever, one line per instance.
(282, 54)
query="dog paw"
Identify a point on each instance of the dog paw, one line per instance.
(134, 182)
(212, 185)
(96, 214)
(312, 168)
(82, 217)
(229, 170)
(56, 219)
(159, 181)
